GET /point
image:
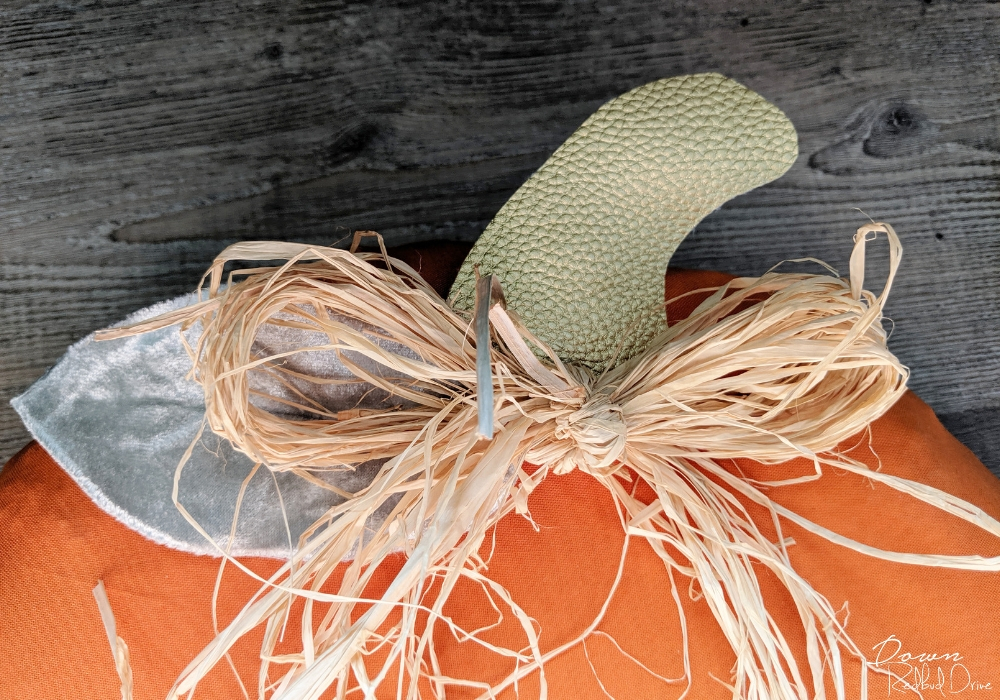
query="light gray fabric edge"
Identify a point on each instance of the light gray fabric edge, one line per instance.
(118, 415)
(63, 459)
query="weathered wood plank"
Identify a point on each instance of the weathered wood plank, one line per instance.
(137, 139)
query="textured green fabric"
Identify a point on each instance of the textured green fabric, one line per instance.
(582, 246)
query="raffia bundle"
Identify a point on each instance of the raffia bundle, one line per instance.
(769, 368)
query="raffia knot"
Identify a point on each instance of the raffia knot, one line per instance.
(591, 438)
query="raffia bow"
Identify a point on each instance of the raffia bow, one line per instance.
(771, 369)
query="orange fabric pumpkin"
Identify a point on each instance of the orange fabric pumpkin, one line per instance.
(934, 628)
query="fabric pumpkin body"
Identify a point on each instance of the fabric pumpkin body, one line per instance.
(56, 544)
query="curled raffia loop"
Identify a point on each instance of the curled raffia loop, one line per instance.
(769, 368)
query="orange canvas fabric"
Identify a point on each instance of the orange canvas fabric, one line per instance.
(55, 544)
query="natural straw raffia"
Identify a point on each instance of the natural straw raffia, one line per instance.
(119, 649)
(774, 368)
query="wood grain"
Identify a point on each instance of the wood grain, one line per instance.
(138, 139)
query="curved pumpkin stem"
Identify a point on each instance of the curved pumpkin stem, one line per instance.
(582, 246)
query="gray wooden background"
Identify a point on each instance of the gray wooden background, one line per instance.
(137, 139)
